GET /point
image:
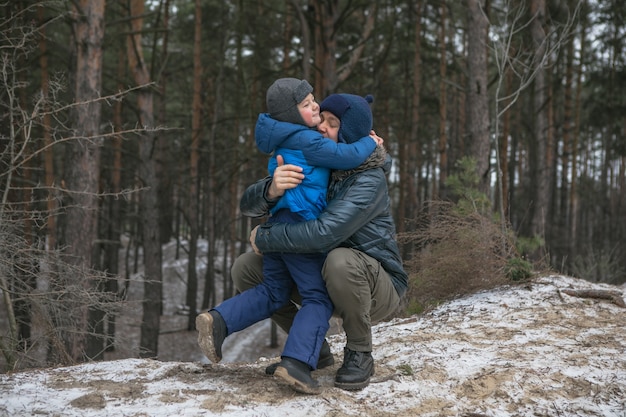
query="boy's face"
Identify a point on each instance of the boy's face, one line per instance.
(329, 126)
(310, 111)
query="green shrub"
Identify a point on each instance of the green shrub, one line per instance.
(518, 269)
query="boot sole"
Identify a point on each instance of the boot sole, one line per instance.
(323, 363)
(204, 326)
(353, 386)
(297, 385)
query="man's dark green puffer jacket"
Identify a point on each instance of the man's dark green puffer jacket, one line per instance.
(358, 216)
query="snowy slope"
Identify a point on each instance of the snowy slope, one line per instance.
(530, 350)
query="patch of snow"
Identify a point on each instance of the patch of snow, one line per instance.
(528, 350)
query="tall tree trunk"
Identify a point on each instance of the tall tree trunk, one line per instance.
(83, 170)
(551, 162)
(458, 137)
(573, 194)
(566, 178)
(196, 131)
(287, 33)
(216, 103)
(504, 147)
(515, 164)
(325, 46)
(47, 137)
(477, 94)
(213, 192)
(539, 164)
(443, 138)
(414, 155)
(152, 256)
(114, 220)
(164, 147)
(410, 158)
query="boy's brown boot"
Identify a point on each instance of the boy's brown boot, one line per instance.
(297, 375)
(325, 360)
(211, 334)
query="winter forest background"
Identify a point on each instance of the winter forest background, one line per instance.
(131, 121)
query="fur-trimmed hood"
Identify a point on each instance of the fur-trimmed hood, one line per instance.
(378, 159)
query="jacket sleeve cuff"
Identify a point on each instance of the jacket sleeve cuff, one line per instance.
(254, 202)
(271, 202)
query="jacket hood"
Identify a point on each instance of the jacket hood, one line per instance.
(378, 159)
(270, 133)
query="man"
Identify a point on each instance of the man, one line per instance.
(363, 271)
(286, 131)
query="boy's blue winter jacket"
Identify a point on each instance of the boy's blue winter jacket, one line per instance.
(317, 155)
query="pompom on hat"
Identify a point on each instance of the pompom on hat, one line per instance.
(354, 114)
(283, 97)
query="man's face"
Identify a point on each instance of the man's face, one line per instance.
(329, 126)
(310, 111)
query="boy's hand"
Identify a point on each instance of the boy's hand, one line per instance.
(285, 177)
(379, 141)
(252, 239)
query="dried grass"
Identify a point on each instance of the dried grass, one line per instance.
(454, 254)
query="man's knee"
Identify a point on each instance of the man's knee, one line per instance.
(247, 271)
(337, 262)
(343, 272)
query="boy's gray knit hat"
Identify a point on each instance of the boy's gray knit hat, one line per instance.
(283, 97)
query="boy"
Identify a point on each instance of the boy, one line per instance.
(286, 131)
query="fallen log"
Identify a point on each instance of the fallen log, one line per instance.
(613, 296)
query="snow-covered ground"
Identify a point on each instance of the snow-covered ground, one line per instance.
(528, 350)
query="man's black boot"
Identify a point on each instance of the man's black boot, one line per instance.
(297, 375)
(326, 359)
(356, 370)
(212, 331)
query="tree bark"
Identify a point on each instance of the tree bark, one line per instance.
(83, 170)
(573, 194)
(564, 214)
(504, 146)
(443, 137)
(477, 93)
(48, 154)
(414, 159)
(539, 164)
(164, 146)
(114, 219)
(152, 302)
(196, 131)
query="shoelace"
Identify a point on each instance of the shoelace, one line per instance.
(353, 357)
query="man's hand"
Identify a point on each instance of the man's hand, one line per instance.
(252, 239)
(285, 177)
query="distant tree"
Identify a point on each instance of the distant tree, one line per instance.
(410, 142)
(538, 158)
(152, 252)
(196, 134)
(477, 89)
(443, 107)
(82, 174)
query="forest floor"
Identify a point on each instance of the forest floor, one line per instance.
(546, 348)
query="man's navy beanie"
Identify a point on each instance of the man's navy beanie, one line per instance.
(354, 114)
